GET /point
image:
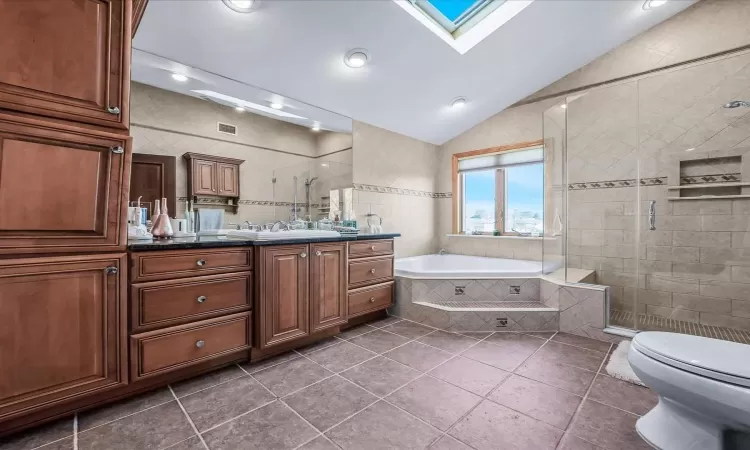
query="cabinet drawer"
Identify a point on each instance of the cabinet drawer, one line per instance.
(165, 303)
(367, 271)
(371, 298)
(362, 249)
(165, 350)
(160, 265)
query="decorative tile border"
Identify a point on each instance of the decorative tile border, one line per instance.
(718, 178)
(658, 181)
(400, 191)
(220, 201)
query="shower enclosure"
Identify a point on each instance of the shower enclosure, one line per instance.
(310, 184)
(650, 179)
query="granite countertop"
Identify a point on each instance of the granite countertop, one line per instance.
(223, 241)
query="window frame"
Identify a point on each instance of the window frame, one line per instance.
(478, 11)
(458, 185)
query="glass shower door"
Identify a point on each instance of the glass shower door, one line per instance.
(694, 208)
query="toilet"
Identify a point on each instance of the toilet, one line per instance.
(703, 386)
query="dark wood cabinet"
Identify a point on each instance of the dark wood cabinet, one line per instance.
(213, 175)
(282, 301)
(67, 59)
(62, 329)
(61, 189)
(328, 304)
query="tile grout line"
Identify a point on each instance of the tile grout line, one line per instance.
(580, 406)
(187, 416)
(123, 417)
(485, 397)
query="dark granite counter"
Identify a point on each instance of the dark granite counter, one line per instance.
(223, 241)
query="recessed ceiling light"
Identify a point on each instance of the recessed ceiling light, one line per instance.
(458, 103)
(276, 105)
(651, 4)
(239, 108)
(316, 127)
(356, 58)
(179, 77)
(564, 106)
(242, 6)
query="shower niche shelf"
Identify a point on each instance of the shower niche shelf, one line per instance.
(706, 178)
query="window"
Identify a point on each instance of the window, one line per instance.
(501, 192)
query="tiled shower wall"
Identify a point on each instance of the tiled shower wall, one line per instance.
(695, 266)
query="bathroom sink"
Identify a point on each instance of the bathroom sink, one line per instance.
(277, 235)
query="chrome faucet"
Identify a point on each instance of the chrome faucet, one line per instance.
(279, 225)
(442, 251)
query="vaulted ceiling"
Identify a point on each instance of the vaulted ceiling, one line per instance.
(295, 48)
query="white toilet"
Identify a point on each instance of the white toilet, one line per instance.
(703, 386)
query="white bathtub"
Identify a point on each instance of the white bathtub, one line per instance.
(466, 267)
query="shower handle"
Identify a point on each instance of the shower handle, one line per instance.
(652, 215)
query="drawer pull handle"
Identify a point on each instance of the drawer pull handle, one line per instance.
(202, 299)
(303, 255)
(201, 262)
(372, 299)
(200, 343)
(113, 110)
(318, 253)
(372, 271)
(372, 248)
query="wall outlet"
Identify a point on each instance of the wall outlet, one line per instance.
(460, 290)
(515, 290)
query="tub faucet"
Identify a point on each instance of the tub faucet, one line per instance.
(442, 251)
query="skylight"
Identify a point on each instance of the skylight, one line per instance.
(452, 14)
(462, 24)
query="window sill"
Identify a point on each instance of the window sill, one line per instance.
(487, 236)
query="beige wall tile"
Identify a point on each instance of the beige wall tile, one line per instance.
(741, 274)
(726, 256)
(670, 284)
(720, 320)
(701, 239)
(698, 271)
(649, 297)
(701, 303)
(701, 207)
(738, 291)
(741, 308)
(673, 313)
(725, 223)
(675, 254)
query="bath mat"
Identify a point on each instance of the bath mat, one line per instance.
(619, 367)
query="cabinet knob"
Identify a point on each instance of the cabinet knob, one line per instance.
(372, 299)
(303, 255)
(201, 262)
(200, 343)
(113, 110)
(202, 299)
(117, 149)
(111, 270)
(372, 248)
(372, 271)
(318, 253)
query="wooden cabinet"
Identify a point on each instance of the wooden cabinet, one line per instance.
(213, 175)
(328, 305)
(228, 179)
(370, 276)
(63, 324)
(67, 59)
(283, 301)
(62, 189)
(167, 264)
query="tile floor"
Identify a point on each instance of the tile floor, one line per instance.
(391, 384)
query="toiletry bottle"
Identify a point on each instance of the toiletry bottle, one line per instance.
(155, 218)
(164, 219)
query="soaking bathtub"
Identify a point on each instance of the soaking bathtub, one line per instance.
(467, 267)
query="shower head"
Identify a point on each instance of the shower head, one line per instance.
(738, 104)
(310, 181)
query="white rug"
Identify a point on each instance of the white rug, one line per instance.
(619, 367)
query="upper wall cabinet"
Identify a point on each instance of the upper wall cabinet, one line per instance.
(62, 189)
(213, 175)
(67, 59)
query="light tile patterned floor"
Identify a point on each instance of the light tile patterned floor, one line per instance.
(390, 384)
(648, 322)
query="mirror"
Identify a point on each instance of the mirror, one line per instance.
(278, 151)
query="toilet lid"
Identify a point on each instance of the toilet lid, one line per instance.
(721, 360)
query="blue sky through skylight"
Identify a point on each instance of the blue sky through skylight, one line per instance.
(452, 9)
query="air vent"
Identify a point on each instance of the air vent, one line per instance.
(226, 128)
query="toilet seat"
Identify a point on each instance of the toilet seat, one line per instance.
(724, 361)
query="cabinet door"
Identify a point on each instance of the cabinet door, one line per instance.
(204, 177)
(61, 190)
(327, 285)
(283, 300)
(68, 59)
(228, 176)
(63, 329)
